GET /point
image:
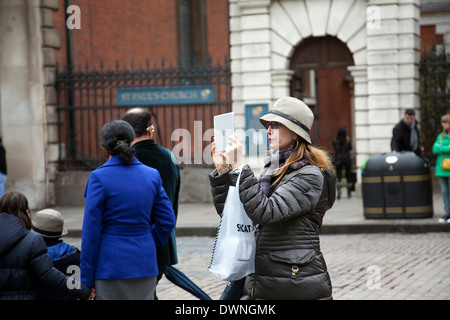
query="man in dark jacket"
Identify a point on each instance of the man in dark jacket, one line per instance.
(405, 135)
(163, 160)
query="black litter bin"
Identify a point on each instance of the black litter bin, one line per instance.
(397, 185)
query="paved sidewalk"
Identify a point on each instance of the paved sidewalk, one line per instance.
(408, 257)
(387, 266)
(346, 217)
(392, 266)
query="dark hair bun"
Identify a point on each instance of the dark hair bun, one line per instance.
(117, 136)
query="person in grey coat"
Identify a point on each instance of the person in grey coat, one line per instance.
(286, 205)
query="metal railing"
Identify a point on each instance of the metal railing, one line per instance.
(434, 95)
(87, 99)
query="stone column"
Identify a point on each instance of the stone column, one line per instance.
(362, 142)
(361, 118)
(51, 41)
(22, 97)
(250, 57)
(392, 67)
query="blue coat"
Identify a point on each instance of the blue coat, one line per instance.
(118, 240)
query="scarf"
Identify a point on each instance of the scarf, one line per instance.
(271, 167)
(414, 138)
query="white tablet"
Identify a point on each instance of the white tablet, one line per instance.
(223, 129)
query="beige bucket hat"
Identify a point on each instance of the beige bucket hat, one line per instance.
(293, 114)
(49, 223)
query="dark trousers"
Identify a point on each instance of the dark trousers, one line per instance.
(233, 290)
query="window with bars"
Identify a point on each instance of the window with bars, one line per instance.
(192, 32)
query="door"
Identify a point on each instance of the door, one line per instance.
(322, 81)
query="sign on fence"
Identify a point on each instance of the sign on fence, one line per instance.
(256, 140)
(165, 95)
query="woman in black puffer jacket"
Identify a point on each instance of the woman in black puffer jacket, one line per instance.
(286, 205)
(23, 256)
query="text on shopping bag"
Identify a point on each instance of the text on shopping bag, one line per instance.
(244, 228)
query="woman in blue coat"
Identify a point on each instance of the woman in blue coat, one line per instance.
(118, 244)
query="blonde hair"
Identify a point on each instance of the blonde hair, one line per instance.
(315, 156)
(445, 118)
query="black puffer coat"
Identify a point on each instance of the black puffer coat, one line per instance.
(24, 263)
(288, 264)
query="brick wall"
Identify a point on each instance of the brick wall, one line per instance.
(135, 30)
(218, 29)
(427, 37)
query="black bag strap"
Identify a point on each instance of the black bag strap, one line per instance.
(329, 186)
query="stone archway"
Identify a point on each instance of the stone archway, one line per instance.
(322, 80)
(383, 38)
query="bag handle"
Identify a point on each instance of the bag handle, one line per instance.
(239, 177)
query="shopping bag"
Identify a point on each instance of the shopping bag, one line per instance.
(233, 255)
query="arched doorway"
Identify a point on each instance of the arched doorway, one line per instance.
(322, 80)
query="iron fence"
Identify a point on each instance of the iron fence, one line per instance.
(434, 96)
(87, 99)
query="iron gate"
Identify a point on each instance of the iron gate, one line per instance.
(434, 96)
(87, 100)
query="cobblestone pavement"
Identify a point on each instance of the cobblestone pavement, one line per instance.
(362, 266)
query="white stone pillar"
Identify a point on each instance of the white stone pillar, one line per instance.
(250, 58)
(281, 80)
(22, 97)
(361, 116)
(392, 67)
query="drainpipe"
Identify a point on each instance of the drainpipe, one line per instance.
(72, 145)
